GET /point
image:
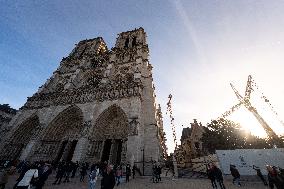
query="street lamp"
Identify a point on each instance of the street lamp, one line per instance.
(143, 161)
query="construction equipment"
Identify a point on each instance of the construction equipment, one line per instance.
(251, 85)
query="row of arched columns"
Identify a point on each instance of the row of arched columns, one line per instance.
(70, 137)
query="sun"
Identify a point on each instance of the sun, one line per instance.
(248, 122)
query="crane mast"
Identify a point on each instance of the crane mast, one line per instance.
(246, 102)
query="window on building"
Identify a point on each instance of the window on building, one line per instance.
(134, 43)
(196, 144)
(126, 43)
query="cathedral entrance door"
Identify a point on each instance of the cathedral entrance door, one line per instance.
(117, 152)
(71, 150)
(60, 152)
(106, 150)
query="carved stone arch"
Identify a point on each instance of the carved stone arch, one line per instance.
(107, 139)
(60, 136)
(21, 136)
(111, 123)
(68, 123)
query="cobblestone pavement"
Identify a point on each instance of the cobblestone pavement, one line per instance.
(145, 182)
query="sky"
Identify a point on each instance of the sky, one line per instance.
(196, 48)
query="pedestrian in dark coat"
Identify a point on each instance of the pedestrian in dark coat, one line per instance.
(219, 177)
(46, 171)
(211, 176)
(259, 174)
(83, 172)
(133, 171)
(60, 173)
(74, 168)
(236, 175)
(273, 178)
(68, 170)
(4, 174)
(108, 180)
(128, 172)
(159, 172)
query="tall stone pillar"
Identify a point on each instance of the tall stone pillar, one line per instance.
(124, 151)
(80, 150)
(26, 151)
(110, 157)
(35, 139)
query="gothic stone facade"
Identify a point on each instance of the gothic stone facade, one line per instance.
(99, 105)
(191, 144)
(6, 115)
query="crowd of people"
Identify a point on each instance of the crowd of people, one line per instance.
(275, 176)
(30, 174)
(156, 173)
(34, 175)
(215, 174)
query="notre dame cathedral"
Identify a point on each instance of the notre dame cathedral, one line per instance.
(99, 105)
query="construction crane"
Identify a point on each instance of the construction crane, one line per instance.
(247, 104)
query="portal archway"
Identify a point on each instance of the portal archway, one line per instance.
(61, 136)
(21, 137)
(109, 135)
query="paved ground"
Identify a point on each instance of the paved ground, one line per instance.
(144, 182)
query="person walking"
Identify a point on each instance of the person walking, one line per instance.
(133, 171)
(83, 172)
(43, 176)
(108, 180)
(273, 178)
(24, 168)
(259, 174)
(211, 176)
(128, 172)
(68, 169)
(4, 175)
(236, 175)
(159, 172)
(118, 175)
(74, 168)
(93, 176)
(60, 173)
(28, 178)
(219, 177)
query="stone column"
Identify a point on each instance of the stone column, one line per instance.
(30, 147)
(124, 151)
(26, 151)
(110, 152)
(80, 150)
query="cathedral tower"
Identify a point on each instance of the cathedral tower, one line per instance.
(99, 105)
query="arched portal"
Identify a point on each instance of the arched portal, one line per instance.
(21, 137)
(109, 136)
(61, 136)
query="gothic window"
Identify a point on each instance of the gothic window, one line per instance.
(134, 42)
(126, 43)
(129, 78)
(196, 144)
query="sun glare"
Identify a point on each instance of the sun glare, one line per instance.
(247, 120)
